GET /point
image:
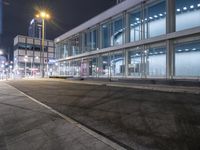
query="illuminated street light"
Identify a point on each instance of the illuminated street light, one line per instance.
(44, 16)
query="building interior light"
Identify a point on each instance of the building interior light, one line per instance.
(186, 49)
(184, 8)
(194, 49)
(180, 50)
(178, 10)
(150, 18)
(192, 6)
(137, 19)
(198, 5)
(155, 16)
(145, 19)
(160, 15)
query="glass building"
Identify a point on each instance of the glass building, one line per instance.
(135, 39)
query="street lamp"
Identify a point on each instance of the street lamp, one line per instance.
(44, 16)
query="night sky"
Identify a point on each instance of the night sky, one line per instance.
(66, 14)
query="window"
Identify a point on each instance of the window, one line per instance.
(187, 54)
(117, 63)
(155, 19)
(117, 35)
(74, 45)
(105, 32)
(134, 62)
(104, 65)
(155, 60)
(90, 40)
(135, 25)
(187, 14)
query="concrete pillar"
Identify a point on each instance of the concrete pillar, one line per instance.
(170, 27)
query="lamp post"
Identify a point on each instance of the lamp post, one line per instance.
(44, 16)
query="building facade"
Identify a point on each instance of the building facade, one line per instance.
(28, 56)
(135, 39)
(35, 28)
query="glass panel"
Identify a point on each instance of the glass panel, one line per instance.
(93, 67)
(156, 61)
(77, 66)
(135, 26)
(187, 14)
(187, 58)
(117, 32)
(155, 19)
(105, 31)
(104, 66)
(74, 46)
(134, 62)
(117, 64)
(93, 39)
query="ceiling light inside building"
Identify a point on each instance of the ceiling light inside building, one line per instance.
(184, 8)
(178, 10)
(192, 6)
(194, 49)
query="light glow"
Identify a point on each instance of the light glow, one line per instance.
(184, 8)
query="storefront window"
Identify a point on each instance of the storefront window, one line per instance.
(155, 61)
(117, 64)
(187, 58)
(93, 67)
(134, 62)
(187, 14)
(104, 65)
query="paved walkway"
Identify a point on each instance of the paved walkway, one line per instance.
(155, 87)
(26, 125)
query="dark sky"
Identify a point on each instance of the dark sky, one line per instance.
(66, 14)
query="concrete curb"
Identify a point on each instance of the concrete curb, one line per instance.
(161, 88)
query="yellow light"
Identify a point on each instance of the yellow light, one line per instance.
(47, 16)
(37, 16)
(43, 14)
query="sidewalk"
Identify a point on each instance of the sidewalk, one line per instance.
(26, 125)
(154, 87)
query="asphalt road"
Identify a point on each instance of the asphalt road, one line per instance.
(139, 119)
